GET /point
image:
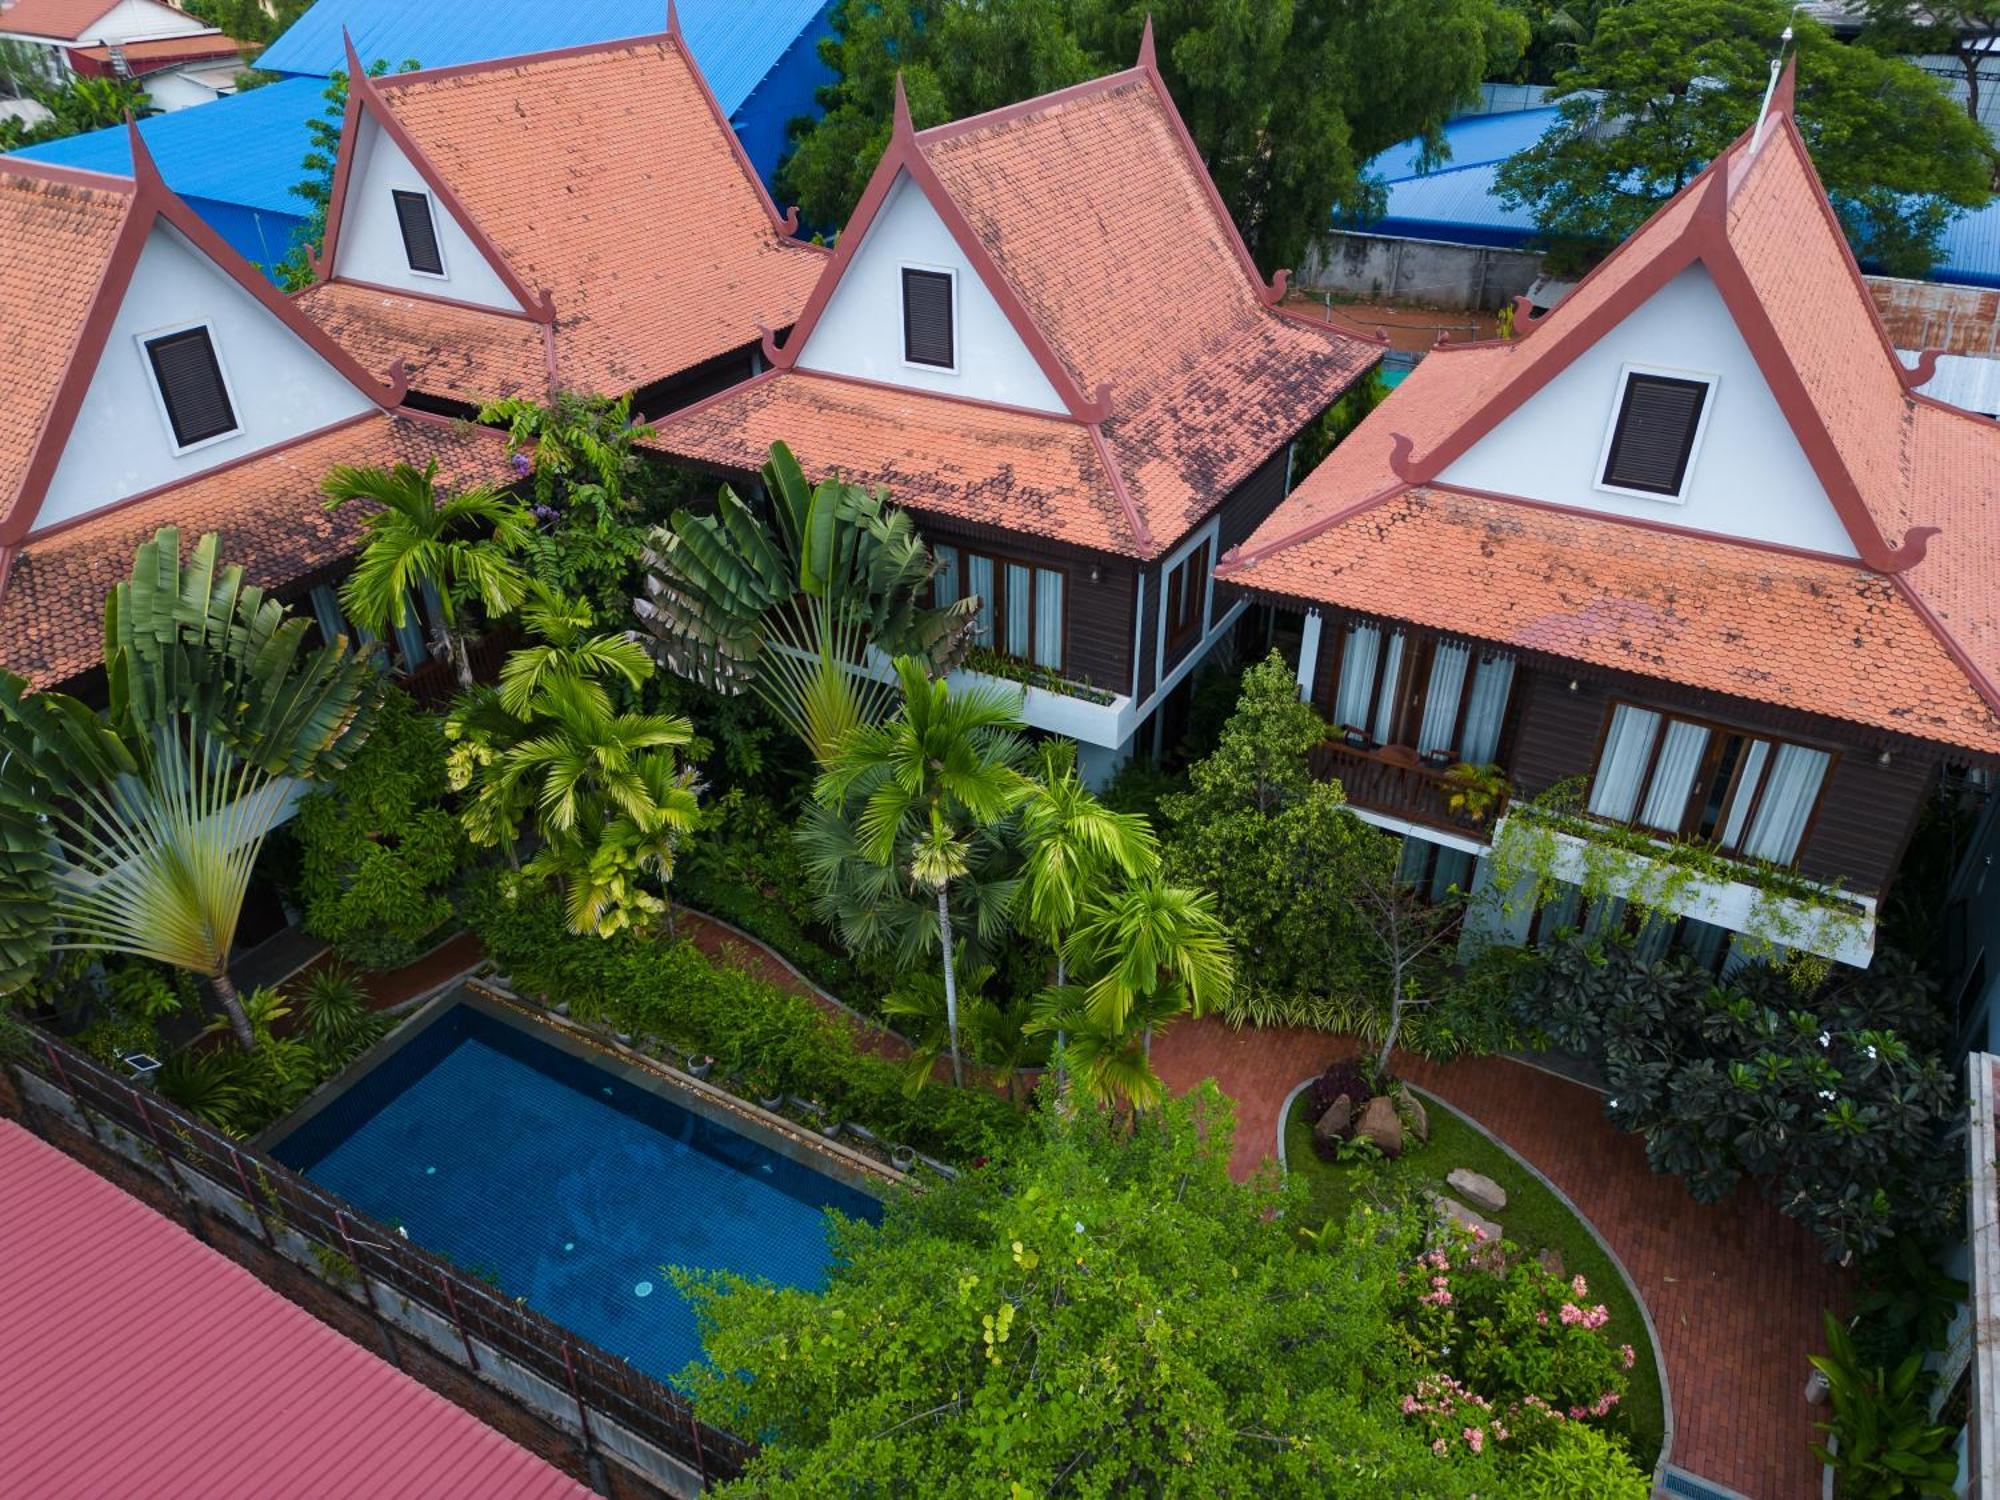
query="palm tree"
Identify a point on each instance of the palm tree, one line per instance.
(136, 832)
(415, 540)
(800, 607)
(920, 789)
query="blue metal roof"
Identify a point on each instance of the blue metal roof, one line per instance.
(1970, 249)
(736, 42)
(1475, 140)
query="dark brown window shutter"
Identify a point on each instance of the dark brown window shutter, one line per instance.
(927, 330)
(420, 242)
(190, 382)
(1655, 434)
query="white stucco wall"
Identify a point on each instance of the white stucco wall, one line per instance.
(861, 331)
(142, 20)
(371, 240)
(279, 386)
(1749, 477)
(183, 89)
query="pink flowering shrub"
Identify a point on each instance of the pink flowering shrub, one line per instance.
(1513, 1351)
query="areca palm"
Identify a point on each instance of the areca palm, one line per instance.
(456, 547)
(136, 832)
(920, 789)
(789, 605)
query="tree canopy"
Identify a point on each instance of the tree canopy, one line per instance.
(1285, 100)
(1665, 85)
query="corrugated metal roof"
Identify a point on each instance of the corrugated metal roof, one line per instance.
(1475, 140)
(244, 148)
(737, 43)
(1971, 249)
(141, 1362)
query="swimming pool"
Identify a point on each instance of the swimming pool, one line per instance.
(566, 1182)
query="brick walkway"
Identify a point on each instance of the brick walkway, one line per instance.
(1735, 1290)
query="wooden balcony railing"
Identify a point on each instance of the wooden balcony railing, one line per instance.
(1393, 780)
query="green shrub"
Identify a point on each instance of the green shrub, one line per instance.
(334, 1015)
(670, 989)
(378, 850)
(1577, 1462)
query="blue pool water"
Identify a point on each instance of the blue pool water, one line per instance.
(572, 1186)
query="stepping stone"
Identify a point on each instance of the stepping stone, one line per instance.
(1450, 1210)
(1476, 1188)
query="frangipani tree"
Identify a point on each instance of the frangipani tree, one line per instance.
(136, 831)
(787, 604)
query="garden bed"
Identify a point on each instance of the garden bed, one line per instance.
(1535, 1219)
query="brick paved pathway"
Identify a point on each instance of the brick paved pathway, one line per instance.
(1735, 1290)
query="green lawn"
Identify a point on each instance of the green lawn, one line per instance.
(1535, 1219)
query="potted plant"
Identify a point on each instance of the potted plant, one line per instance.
(763, 1087)
(1439, 759)
(902, 1157)
(832, 1128)
(1356, 739)
(1473, 792)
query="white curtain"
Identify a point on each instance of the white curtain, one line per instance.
(1614, 792)
(1796, 773)
(1486, 709)
(1019, 626)
(1447, 686)
(410, 635)
(979, 581)
(1357, 676)
(1673, 777)
(1392, 688)
(326, 610)
(1049, 619)
(944, 585)
(1747, 776)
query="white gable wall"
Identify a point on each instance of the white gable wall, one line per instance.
(371, 240)
(1749, 478)
(279, 385)
(860, 332)
(142, 20)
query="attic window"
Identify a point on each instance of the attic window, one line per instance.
(420, 241)
(1653, 439)
(927, 322)
(192, 390)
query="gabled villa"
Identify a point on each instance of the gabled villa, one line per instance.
(1692, 537)
(1042, 332)
(155, 378)
(582, 220)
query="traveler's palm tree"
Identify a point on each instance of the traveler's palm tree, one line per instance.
(457, 547)
(796, 605)
(920, 788)
(136, 831)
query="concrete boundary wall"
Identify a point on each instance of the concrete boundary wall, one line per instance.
(1388, 267)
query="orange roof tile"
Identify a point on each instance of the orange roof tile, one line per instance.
(460, 353)
(58, 231)
(1089, 209)
(268, 511)
(606, 177)
(67, 19)
(1892, 463)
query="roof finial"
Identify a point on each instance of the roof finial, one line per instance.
(145, 171)
(1148, 57)
(355, 72)
(673, 21)
(902, 126)
(1778, 92)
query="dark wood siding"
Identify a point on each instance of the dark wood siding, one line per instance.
(1098, 646)
(1252, 500)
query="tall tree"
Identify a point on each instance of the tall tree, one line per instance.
(1284, 100)
(1967, 31)
(1666, 84)
(457, 549)
(921, 787)
(136, 832)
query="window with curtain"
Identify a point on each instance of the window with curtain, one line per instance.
(1686, 778)
(1443, 697)
(1022, 611)
(1433, 696)
(1486, 709)
(1355, 690)
(1383, 726)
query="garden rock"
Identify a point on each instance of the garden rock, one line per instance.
(1337, 1122)
(1450, 1210)
(1380, 1124)
(1550, 1259)
(1476, 1188)
(1415, 1119)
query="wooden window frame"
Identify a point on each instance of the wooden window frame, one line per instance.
(997, 604)
(1413, 685)
(1718, 731)
(1177, 634)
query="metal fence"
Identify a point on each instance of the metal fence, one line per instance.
(286, 1204)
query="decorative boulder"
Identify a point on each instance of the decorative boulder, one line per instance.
(1415, 1119)
(1451, 1211)
(1333, 1128)
(1476, 1188)
(1550, 1259)
(1380, 1123)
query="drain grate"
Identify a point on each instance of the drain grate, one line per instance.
(1686, 1486)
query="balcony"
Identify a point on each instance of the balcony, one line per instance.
(1395, 785)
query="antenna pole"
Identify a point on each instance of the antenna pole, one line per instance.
(1771, 87)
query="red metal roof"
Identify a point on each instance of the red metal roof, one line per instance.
(141, 1362)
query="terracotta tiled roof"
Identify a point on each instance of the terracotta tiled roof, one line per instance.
(456, 352)
(68, 19)
(165, 52)
(606, 177)
(57, 234)
(1110, 250)
(268, 511)
(1907, 640)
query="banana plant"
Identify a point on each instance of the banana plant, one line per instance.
(136, 831)
(800, 604)
(1885, 1444)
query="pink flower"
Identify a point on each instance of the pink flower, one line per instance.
(1571, 1313)
(1597, 1317)
(1438, 1447)
(1409, 1405)
(1576, 1413)
(1579, 1286)
(1542, 1318)
(1603, 1403)
(1499, 1433)
(1480, 1235)
(1475, 1439)
(1626, 1353)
